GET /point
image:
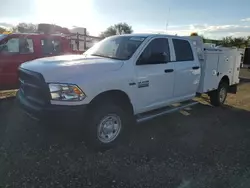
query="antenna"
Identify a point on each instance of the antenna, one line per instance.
(167, 23)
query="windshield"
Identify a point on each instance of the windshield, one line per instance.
(2, 36)
(117, 47)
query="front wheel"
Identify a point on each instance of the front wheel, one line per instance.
(218, 97)
(106, 126)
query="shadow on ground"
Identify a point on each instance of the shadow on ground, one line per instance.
(202, 146)
(244, 80)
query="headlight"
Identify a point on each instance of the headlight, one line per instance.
(66, 92)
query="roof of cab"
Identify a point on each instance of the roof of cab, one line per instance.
(152, 35)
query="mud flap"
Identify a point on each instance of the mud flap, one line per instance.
(233, 89)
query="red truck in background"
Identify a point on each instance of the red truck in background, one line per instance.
(19, 48)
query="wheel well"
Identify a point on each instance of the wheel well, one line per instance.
(116, 96)
(225, 79)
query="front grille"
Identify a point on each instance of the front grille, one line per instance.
(33, 87)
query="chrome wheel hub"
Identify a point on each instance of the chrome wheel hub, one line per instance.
(109, 128)
(222, 94)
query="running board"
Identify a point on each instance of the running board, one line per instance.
(163, 111)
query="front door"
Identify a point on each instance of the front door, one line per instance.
(155, 76)
(187, 70)
(16, 51)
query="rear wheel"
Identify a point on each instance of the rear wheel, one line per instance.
(218, 97)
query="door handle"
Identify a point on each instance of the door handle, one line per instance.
(195, 67)
(168, 70)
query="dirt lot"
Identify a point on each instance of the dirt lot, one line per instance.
(197, 148)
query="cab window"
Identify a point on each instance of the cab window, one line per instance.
(183, 50)
(157, 52)
(19, 45)
(51, 46)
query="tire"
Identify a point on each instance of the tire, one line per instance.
(106, 119)
(218, 97)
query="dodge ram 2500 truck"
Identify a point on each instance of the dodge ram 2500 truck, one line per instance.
(126, 77)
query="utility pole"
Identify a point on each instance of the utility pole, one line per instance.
(167, 23)
(85, 39)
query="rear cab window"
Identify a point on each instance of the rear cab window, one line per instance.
(183, 50)
(51, 46)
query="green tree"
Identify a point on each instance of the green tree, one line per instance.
(25, 28)
(2, 29)
(248, 41)
(239, 42)
(227, 41)
(117, 29)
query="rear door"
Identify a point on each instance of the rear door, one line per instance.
(17, 50)
(187, 70)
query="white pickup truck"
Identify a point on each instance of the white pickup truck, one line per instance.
(126, 77)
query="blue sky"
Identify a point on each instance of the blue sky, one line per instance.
(212, 18)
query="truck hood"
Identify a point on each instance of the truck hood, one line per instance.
(62, 68)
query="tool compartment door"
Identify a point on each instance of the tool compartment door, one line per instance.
(236, 68)
(225, 66)
(210, 80)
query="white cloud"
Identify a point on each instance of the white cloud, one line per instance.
(6, 25)
(245, 20)
(210, 31)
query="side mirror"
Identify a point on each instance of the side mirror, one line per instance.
(3, 47)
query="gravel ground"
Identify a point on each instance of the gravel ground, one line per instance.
(200, 147)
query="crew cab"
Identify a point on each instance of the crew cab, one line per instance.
(17, 48)
(126, 78)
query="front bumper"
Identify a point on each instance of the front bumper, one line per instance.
(51, 112)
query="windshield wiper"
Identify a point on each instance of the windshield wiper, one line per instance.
(100, 55)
